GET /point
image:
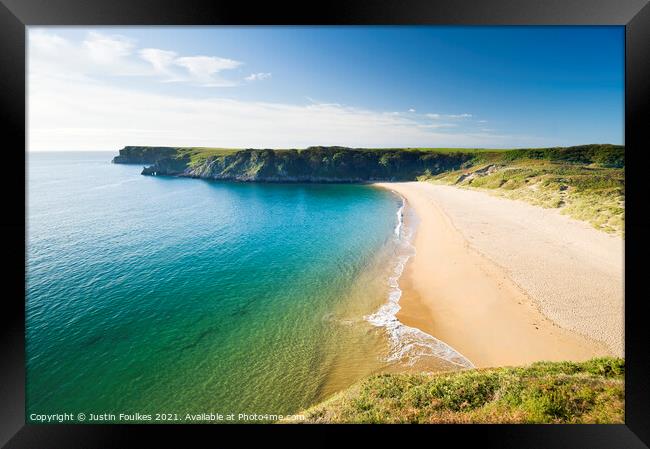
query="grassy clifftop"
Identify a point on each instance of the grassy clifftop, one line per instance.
(151, 155)
(341, 163)
(559, 392)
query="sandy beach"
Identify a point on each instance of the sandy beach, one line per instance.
(507, 283)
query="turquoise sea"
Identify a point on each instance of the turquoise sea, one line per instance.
(168, 295)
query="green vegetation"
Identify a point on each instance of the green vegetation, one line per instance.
(586, 182)
(545, 392)
(198, 155)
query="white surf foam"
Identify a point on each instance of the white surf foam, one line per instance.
(408, 344)
(400, 219)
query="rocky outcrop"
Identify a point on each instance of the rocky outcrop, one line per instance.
(170, 166)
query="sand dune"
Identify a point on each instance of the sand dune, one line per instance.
(504, 282)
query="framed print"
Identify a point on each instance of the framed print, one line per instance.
(330, 220)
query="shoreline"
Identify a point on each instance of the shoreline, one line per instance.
(454, 292)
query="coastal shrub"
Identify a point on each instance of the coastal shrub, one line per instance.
(544, 392)
(605, 366)
(557, 399)
(605, 155)
(464, 391)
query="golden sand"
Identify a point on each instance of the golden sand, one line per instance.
(456, 293)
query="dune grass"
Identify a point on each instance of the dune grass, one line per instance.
(545, 392)
(591, 192)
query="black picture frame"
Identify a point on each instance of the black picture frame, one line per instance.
(16, 15)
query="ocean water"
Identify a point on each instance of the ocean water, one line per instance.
(167, 295)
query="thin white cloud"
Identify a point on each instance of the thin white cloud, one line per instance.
(47, 42)
(161, 60)
(452, 116)
(411, 110)
(115, 55)
(107, 49)
(203, 70)
(258, 76)
(96, 54)
(439, 125)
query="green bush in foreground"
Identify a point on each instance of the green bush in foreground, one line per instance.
(545, 392)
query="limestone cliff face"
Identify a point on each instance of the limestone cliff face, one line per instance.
(314, 164)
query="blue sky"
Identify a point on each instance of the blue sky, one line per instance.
(94, 88)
